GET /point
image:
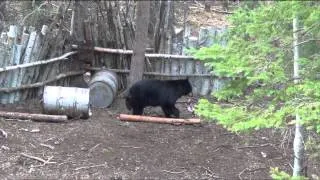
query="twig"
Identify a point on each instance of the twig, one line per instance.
(93, 166)
(211, 173)
(47, 145)
(173, 172)
(130, 147)
(63, 57)
(241, 173)
(38, 159)
(90, 150)
(250, 170)
(40, 84)
(5, 134)
(255, 146)
(306, 41)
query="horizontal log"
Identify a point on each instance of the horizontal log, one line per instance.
(63, 57)
(35, 117)
(126, 71)
(130, 52)
(138, 118)
(40, 84)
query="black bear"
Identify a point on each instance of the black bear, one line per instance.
(162, 93)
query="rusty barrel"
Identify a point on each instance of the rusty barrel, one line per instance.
(103, 88)
(70, 101)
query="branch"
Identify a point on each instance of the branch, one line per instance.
(35, 117)
(63, 57)
(303, 42)
(130, 52)
(40, 84)
(40, 6)
(38, 159)
(93, 166)
(4, 134)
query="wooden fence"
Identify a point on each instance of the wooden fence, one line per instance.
(28, 61)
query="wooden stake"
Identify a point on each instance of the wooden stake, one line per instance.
(137, 118)
(35, 117)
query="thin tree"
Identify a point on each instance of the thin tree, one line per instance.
(139, 48)
(298, 146)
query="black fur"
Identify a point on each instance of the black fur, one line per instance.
(157, 93)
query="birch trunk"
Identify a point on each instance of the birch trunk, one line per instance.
(298, 146)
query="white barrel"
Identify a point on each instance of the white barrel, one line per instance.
(70, 101)
(103, 88)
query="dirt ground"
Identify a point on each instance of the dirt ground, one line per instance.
(103, 147)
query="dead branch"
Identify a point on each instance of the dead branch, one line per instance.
(93, 166)
(211, 174)
(130, 52)
(173, 172)
(47, 146)
(35, 117)
(242, 173)
(306, 41)
(134, 147)
(137, 118)
(40, 84)
(38, 159)
(255, 146)
(4, 134)
(63, 57)
(90, 150)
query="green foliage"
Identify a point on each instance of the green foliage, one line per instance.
(257, 60)
(276, 174)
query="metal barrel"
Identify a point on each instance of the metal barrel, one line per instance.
(103, 88)
(70, 101)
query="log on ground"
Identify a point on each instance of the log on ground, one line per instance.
(138, 118)
(34, 117)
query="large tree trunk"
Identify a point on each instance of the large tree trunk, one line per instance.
(298, 146)
(142, 22)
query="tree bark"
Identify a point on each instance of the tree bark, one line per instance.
(141, 35)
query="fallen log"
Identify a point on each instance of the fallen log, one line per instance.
(35, 117)
(138, 118)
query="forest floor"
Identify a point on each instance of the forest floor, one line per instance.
(103, 147)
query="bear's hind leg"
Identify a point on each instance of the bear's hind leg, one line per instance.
(137, 111)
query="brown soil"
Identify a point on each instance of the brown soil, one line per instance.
(103, 147)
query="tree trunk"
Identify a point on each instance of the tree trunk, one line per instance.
(298, 146)
(141, 35)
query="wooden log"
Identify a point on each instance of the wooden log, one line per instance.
(40, 84)
(138, 118)
(155, 73)
(63, 57)
(35, 117)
